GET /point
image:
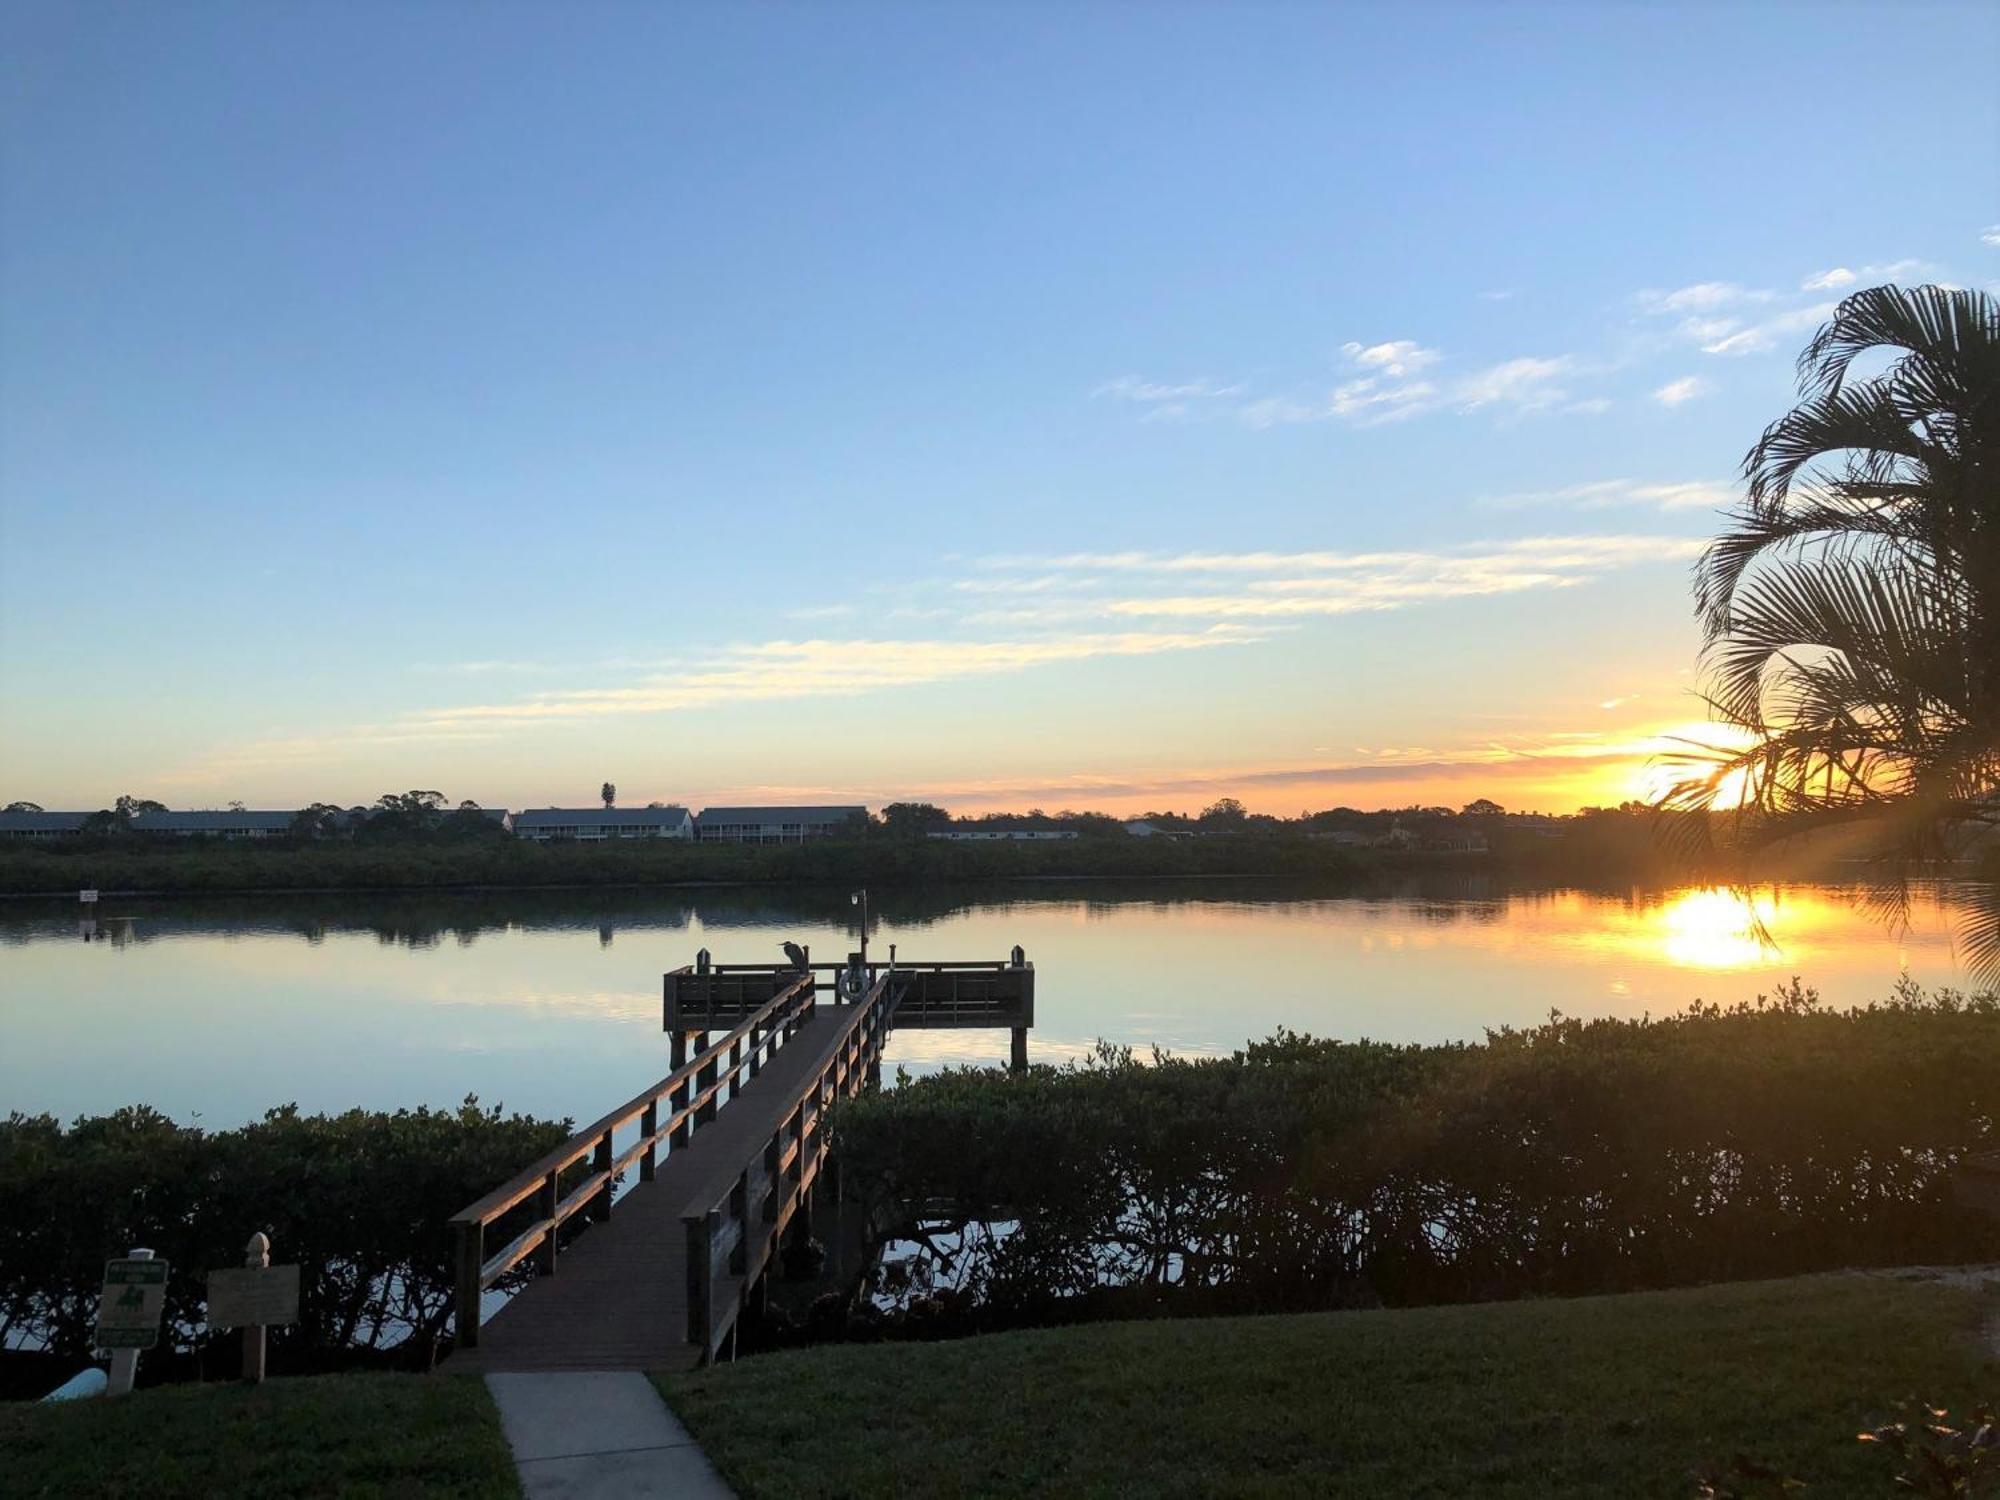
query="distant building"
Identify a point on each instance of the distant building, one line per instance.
(1139, 828)
(214, 825)
(185, 825)
(40, 825)
(989, 830)
(595, 825)
(772, 825)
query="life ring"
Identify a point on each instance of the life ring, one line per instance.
(851, 984)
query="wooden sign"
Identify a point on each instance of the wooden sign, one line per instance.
(129, 1307)
(253, 1297)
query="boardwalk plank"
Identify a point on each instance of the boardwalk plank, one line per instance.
(618, 1300)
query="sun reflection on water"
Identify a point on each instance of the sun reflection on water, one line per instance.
(1714, 928)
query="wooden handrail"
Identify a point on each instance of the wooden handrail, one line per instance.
(875, 966)
(692, 1093)
(516, 1188)
(723, 1217)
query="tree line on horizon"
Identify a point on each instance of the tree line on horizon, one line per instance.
(421, 814)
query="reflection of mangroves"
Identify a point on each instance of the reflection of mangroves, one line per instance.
(423, 918)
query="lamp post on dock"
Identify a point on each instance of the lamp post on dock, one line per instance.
(860, 899)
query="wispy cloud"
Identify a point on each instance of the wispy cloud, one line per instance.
(759, 672)
(1298, 585)
(1165, 401)
(1761, 337)
(1679, 392)
(1725, 317)
(1370, 401)
(822, 668)
(1395, 380)
(1990, 235)
(1392, 380)
(1522, 385)
(1701, 297)
(1132, 388)
(1397, 357)
(1608, 494)
(1730, 319)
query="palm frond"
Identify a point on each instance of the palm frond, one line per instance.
(1852, 612)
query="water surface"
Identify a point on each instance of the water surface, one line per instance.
(550, 1001)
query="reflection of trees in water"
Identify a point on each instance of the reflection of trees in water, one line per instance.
(411, 919)
(428, 919)
(1441, 913)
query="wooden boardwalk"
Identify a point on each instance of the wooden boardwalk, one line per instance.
(658, 1281)
(658, 1278)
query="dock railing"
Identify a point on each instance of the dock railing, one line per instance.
(736, 1220)
(690, 1094)
(944, 993)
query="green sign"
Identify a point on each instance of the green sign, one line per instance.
(129, 1308)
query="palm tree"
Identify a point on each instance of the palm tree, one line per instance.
(1852, 609)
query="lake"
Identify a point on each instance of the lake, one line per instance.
(549, 1002)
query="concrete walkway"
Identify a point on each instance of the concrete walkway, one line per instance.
(599, 1435)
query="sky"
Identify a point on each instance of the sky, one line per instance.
(1028, 405)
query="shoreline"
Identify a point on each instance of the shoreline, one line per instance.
(483, 888)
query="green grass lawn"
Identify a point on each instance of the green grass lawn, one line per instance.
(347, 1435)
(1595, 1396)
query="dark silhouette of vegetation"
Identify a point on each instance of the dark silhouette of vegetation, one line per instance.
(914, 819)
(359, 1200)
(1580, 1156)
(1224, 812)
(1852, 610)
(411, 840)
(320, 820)
(487, 856)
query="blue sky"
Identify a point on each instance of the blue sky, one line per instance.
(1059, 405)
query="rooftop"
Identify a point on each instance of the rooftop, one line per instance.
(206, 822)
(719, 816)
(598, 817)
(41, 822)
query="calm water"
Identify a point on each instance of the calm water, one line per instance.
(550, 1002)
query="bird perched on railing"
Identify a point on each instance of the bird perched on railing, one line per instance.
(796, 954)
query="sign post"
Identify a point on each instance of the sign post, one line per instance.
(253, 1298)
(128, 1313)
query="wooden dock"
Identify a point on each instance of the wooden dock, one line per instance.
(729, 1149)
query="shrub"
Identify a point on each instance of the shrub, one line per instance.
(359, 1200)
(1581, 1156)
